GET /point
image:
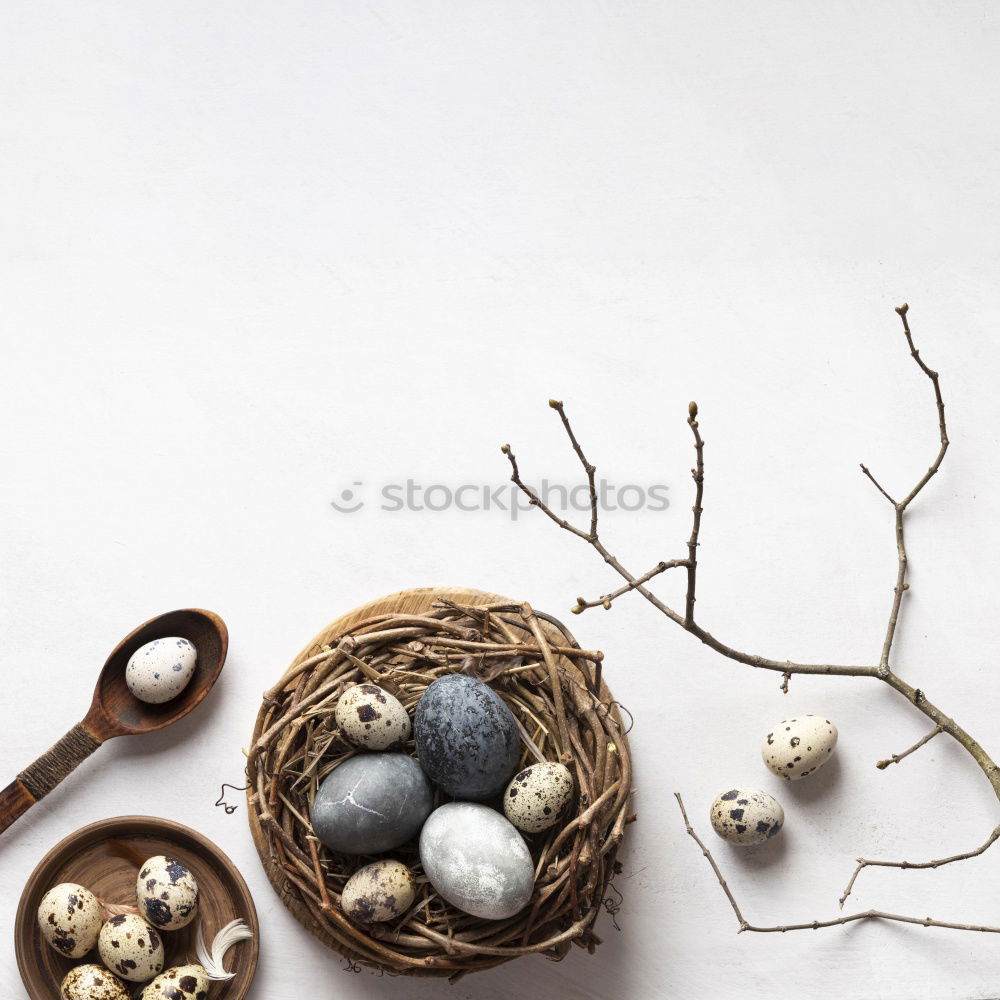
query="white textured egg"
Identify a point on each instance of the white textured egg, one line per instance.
(537, 796)
(795, 748)
(167, 893)
(160, 670)
(69, 917)
(746, 816)
(183, 982)
(378, 892)
(130, 948)
(372, 719)
(91, 982)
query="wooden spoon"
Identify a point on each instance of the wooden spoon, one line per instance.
(115, 711)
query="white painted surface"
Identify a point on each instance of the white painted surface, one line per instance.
(254, 253)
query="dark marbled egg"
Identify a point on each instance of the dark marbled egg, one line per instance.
(372, 803)
(466, 737)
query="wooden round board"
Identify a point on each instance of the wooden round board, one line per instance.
(414, 601)
(105, 858)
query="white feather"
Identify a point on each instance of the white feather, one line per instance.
(211, 960)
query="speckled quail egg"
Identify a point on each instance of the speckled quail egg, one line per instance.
(371, 718)
(378, 892)
(794, 748)
(69, 917)
(537, 796)
(130, 948)
(91, 982)
(167, 893)
(183, 982)
(160, 670)
(746, 816)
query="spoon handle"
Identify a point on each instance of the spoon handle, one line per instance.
(38, 779)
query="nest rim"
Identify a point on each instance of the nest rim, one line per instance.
(587, 838)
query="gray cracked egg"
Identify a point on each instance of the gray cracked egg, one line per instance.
(372, 803)
(91, 982)
(372, 719)
(476, 860)
(167, 893)
(536, 797)
(745, 816)
(130, 948)
(466, 737)
(182, 982)
(69, 917)
(160, 670)
(378, 892)
(795, 748)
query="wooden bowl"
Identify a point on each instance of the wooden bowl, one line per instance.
(105, 858)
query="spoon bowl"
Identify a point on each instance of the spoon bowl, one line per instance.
(115, 711)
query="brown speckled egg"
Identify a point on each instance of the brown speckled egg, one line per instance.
(746, 816)
(795, 748)
(183, 982)
(167, 893)
(130, 948)
(69, 918)
(537, 796)
(91, 982)
(378, 892)
(372, 719)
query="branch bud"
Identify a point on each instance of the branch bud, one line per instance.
(903, 309)
(505, 448)
(556, 404)
(692, 410)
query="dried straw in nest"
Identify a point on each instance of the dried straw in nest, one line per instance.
(565, 712)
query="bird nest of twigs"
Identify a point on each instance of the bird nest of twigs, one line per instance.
(564, 711)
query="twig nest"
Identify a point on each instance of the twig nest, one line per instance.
(537, 797)
(372, 803)
(91, 982)
(167, 893)
(378, 892)
(130, 948)
(372, 719)
(466, 738)
(476, 860)
(69, 917)
(795, 748)
(541, 698)
(183, 982)
(745, 816)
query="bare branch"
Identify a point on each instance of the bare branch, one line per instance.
(883, 672)
(938, 863)
(897, 757)
(814, 925)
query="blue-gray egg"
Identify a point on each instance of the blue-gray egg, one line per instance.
(372, 803)
(466, 737)
(476, 860)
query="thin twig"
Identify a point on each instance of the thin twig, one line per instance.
(605, 600)
(937, 863)
(698, 475)
(897, 757)
(813, 925)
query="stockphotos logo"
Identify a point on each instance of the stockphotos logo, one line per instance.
(411, 496)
